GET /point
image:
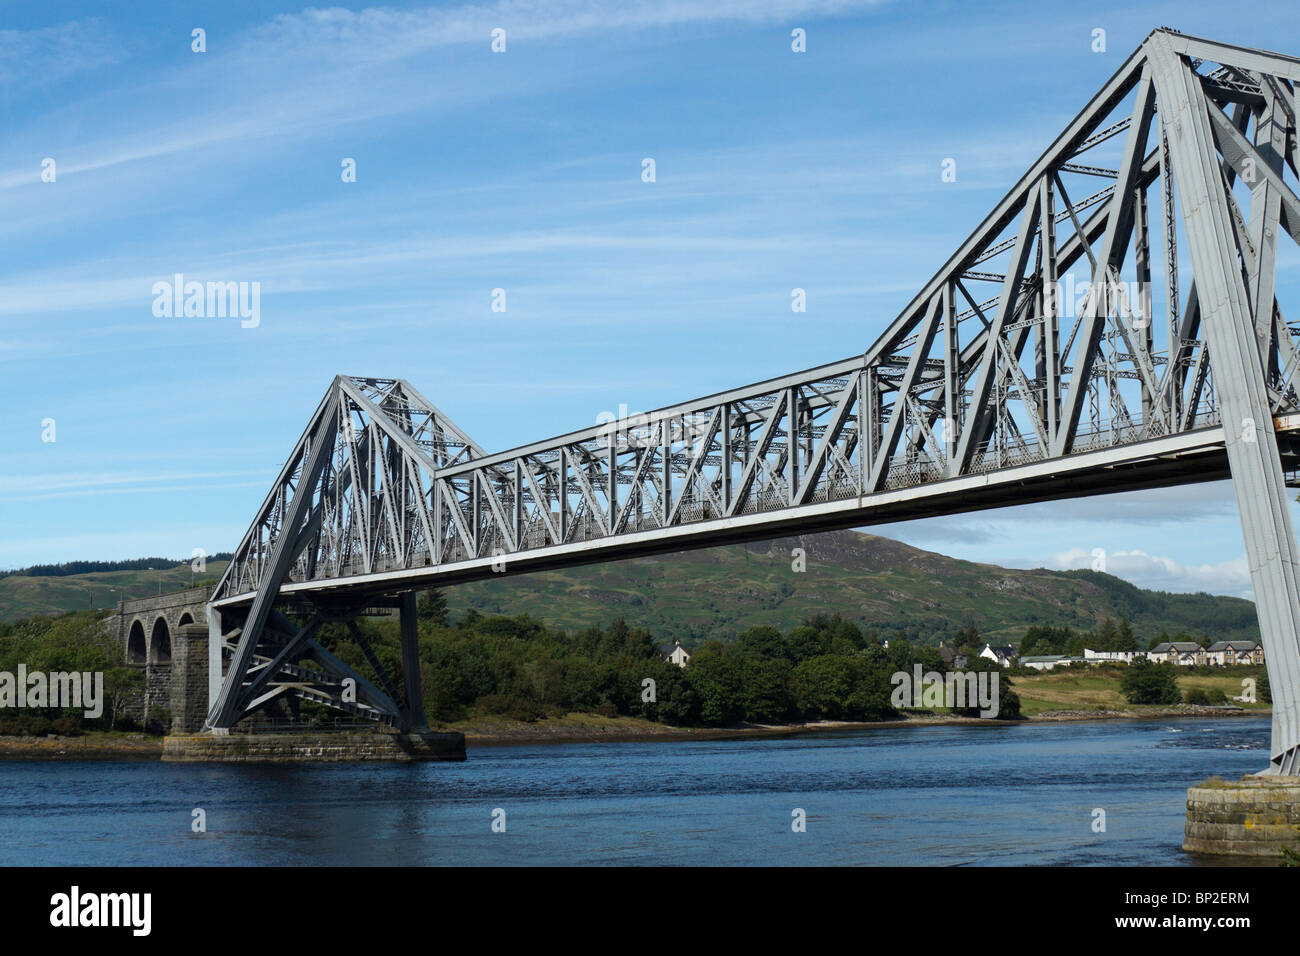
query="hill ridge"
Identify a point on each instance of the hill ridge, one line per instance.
(879, 582)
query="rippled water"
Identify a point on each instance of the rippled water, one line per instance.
(906, 795)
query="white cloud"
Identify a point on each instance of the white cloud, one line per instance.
(1161, 573)
(323, 68)
(30, 487)
(43, 57)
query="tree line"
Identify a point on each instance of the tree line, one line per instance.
(827, 668)
(87, 567)
(76, 643)
(1109, 635)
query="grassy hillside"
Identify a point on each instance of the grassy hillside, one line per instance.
(876, 581)
(883, 584)
(22, 596)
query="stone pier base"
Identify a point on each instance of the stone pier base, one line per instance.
(312, 748)
(1255, 816)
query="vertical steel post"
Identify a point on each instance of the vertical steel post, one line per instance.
(414, 712)
(1257, 478)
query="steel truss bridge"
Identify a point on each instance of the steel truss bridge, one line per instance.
(1128, 335)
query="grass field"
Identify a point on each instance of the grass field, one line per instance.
(1100, 689)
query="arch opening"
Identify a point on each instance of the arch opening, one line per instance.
(160, 643)
(135, 647)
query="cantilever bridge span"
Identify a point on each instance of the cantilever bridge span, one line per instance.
(1130, 335)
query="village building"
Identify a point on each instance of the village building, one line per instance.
(953, 659)
(1227, 653)
(1183, 653)
(1003, 654)
(676, 654)
(1116, 657)
(1046, 662)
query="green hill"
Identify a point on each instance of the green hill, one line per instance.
(25, 595)
(878, 582)
(881, 583)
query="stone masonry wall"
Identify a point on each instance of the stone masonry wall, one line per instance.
(1255, 816)
(189, 679)
(178, 685)
(314, 748)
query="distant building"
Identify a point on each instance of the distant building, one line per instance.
(1109, 656)
(1046, 662)
(1182, 653)
(953, 659)
(1227, 653)
(676, 654)
(1001, 653)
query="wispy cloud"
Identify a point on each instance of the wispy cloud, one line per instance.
(31, 487)
(1163, 573)
(44, 57)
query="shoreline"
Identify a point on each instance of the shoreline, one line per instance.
(619, 730)
(85, 747)
(585, 728)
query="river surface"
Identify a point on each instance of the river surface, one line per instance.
(907, 795)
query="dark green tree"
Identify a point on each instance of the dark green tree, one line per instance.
(1008, 699)
(431, 608)
(1146, 682)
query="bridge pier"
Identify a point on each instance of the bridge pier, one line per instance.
(189, 679)
(1257, 816)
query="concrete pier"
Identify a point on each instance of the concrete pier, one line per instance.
(1255, 816)
(313, 747)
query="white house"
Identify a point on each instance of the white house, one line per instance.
(678, 655)
(1002, 653)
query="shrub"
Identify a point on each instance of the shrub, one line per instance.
(35, 725)
(69, 726)
(505, 705)
(159, 721)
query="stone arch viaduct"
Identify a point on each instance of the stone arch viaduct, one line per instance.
(167, 637)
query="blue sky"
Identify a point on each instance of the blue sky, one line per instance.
(519, 171)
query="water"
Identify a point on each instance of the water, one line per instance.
(907, 795)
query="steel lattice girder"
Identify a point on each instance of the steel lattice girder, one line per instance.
(962, 404)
